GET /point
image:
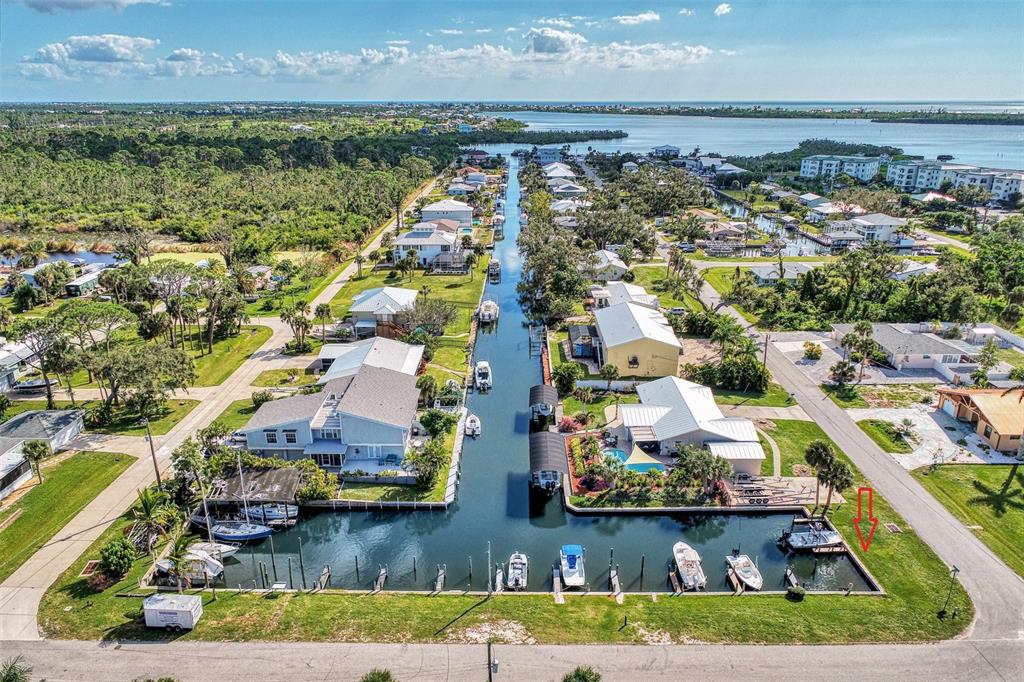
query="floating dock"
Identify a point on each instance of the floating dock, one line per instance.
(556, 585)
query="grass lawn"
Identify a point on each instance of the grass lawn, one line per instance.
(792, 437)
(988, 498)
(892, 395)
(775, 396)
(462, 290)
(885, 435)
(213, 368)
(282, 377)
(556, 351)
(270, 303)
(451, 354)
(653, 279)
(848, 397)
(123, 424)
(375, 492)
(720, 280)
(67, 487)
(572, 406)
(237, 414)
(1010, 356)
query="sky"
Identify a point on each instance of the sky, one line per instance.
(594, 50)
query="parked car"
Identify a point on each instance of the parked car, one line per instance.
(686, 247)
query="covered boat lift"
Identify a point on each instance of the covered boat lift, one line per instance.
(548, 462)
(543, 401)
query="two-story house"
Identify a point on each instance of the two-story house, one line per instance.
(433, 246)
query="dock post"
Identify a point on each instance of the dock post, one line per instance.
(302, 565)
(357, 568)
(643, 559)
(611, 557)
(470, 571)
(291, 582)
(273, 557)
(414, 568)
(488, 568)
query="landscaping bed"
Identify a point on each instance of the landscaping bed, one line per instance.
(885, 435)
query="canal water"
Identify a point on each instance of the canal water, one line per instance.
(494, 504)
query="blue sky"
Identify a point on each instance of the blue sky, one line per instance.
(134, 50)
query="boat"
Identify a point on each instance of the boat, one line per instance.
(745, 570)
(571, 560)
(688, 564)
(239, 531)
(482, 378)
(472, 427)
(200, 567)
(272, 512)
(494, 271)
(816, 535)
(218, 550)
(518, 567)
(488, 312)
(34, 384)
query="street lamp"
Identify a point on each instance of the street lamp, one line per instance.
(152, 449)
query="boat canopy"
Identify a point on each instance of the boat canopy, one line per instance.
(542, 394)
(547, 452)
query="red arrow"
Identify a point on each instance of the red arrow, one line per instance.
(865, 543)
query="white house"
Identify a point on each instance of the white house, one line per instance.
(630, 167)
(433, 246)
(546, 155)
(449, 209)
(15, 470)
(565, 206)
(614, 293)
(674, 411)
(12, 361)
(558, 170)
(363, 421)
(345, 359)
(461, 189)
(379, 306)
(878, 226)
(665, 151)
(910, 269)
(811, 199)
(829, 165)
(608, 266)
(55, 427)
(768, 275)
(568, 190)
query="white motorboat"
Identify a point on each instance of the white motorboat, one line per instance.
(472, 427)
(488, 312)
(218, 550)
(199, 567)
(518, 567)
(745, 570)
(816, 535)
(691, 572)
(272, 512)
(571, 560)
(482, 378)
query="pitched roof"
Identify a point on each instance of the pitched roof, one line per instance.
(624, 292)
(302, 407)
(900, 341)
(789, 270)
(673, 407)
(425, 236)
(878, 219)
(447, 205)
(1002, 409)
(380, 395)
(388, 300)
(626, 322)
(348, 358)
(606, 259)
(39, 424)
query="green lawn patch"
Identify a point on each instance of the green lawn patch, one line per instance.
(792, 437)
(1011, 356)
(988, 499)
(237, 414)
(572, 405)
(123, 423)
(284, 377)
(378, 492)
(451, 353)
(654, 279)
(228, 354)
(67, 487)
(775, 396)
(885, 435)
(848, 397)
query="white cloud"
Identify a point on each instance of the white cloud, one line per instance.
(555, 21)
(482, 30)
(398, 42)
(634, 19)
(687, 12)
(552, 41)
(52, 6)
(450, 31)
(723, 9)
(511, 29)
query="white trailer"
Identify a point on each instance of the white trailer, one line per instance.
(172, 612)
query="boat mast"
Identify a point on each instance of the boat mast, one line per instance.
(241, 481)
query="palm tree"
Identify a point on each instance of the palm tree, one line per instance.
(359, 260)
(323, 314)
(839, 476)
(609, 373)
(471, 260)
(848, 342)
(15, 669)
(726, 334)
(35, 451)
(583, 418)
(179, 556)
(428, 389)
(152, 512)
(425, 291)
(820, 456)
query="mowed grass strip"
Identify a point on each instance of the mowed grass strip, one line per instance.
(67, 487)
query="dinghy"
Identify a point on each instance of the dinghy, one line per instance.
(571, 560)
(472, 428)
(688, 564)
(518, 565)
(745, 570)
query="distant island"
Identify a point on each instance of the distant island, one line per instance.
(756, 111)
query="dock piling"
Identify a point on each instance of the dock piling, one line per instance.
(357, 568)
(273, 557)
(302, 565)
(291, 582)
(643, 559)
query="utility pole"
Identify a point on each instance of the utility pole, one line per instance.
(152, 450)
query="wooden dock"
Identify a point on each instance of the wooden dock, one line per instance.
(790, 578)
(556, 585)
(737, 584)
(442, 572)
(613, 578)
(673, 578)
(382, 577)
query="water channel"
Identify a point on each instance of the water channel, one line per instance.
(494, 504)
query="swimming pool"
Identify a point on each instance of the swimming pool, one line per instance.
(623, 456)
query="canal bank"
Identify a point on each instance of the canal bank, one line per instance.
(494, 506)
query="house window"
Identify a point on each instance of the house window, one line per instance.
(988, 431)
(634, 361)
(271, 436)
(290, 437)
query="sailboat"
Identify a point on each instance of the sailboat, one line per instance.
(238, 531)
(219, 550)
(518, 566)
(272, 511)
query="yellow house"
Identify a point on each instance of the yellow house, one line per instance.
(998, 415)
(638, 340)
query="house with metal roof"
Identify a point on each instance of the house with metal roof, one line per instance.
(379, 306)
(768, 275)
(614, 293)
(433, 246)
(997, 415)
(674, 411)
(638, 340)
(346, 359)
(448, 209)
(363, 421)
